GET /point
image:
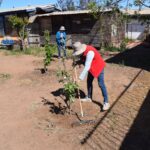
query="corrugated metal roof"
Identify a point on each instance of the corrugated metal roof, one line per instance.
(27, 8)
(73, 12)
(141, 12)
(69, 12)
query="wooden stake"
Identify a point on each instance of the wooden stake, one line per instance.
(76, 78)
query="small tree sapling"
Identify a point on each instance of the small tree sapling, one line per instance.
(19, 24)
(49, 51)
(70, 86)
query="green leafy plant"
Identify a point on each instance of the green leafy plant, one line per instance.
(49, 50)
(70, 87)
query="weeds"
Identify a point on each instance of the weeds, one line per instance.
(121, 48)
(36, 51)
(4, 76)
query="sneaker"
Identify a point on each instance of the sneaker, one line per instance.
(86, 99)
(106, 106)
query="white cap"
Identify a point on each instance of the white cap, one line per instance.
(62, 28)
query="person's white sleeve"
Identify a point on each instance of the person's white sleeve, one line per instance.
(88, 62)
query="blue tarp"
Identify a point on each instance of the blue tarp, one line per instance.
(7, 42)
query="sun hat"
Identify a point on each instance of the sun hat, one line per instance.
(79, 48)
(62, 28)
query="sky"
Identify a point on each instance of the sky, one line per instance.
(21, 3)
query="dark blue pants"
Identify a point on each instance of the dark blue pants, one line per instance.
(101, 84)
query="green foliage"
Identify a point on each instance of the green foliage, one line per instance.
(95, 9)
(121, 48)
(49, 50)
(19, 24)
(127, 40)
(112, 49)
(70, 89)
(69, 85)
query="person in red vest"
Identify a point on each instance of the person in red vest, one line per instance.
(94, 68)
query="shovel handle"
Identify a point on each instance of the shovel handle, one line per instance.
(76, 78)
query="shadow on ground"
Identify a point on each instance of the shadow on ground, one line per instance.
(57, 108)
(60, 93)
(138, 57)
(138, 137)
(89, 134)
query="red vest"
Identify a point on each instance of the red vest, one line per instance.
(98, 63)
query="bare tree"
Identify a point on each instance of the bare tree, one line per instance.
(1, 2)
(66, 4)
(140, 3)
(83, 4)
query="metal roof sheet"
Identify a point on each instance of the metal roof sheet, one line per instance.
(73, 12)
(26, 8)
(145, 11)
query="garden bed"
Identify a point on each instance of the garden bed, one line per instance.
(33, 110)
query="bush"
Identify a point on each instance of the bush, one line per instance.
(127, 40)
(121, 48)
(112, 49)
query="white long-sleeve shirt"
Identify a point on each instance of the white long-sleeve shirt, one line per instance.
(88, 62)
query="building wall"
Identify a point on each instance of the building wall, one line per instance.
(135, 30)
(79, 27)
(85, 28)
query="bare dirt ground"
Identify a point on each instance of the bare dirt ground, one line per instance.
(31, 105)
